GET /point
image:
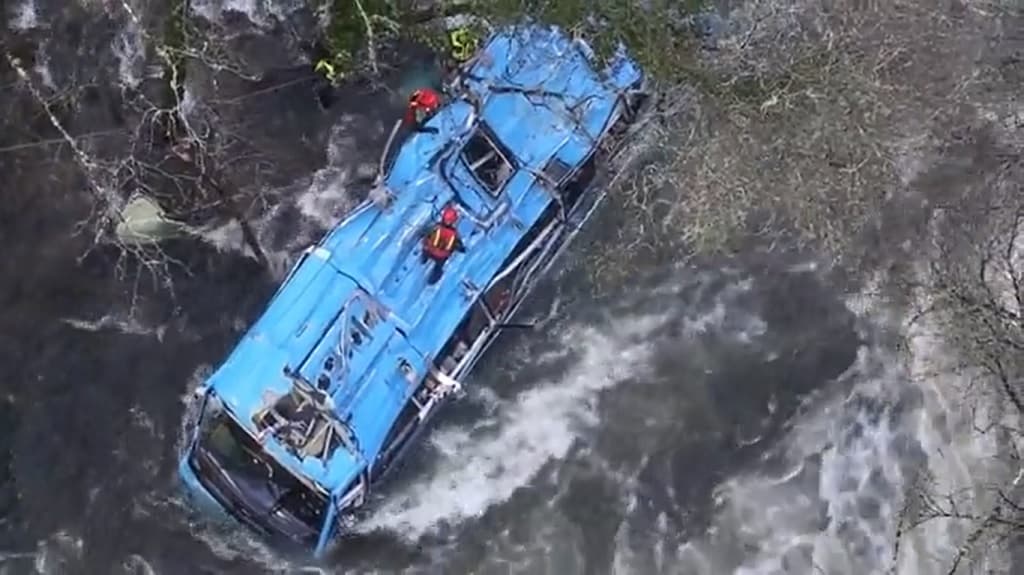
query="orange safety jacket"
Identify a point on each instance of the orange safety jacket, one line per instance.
(441, 242)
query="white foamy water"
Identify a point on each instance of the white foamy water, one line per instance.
(130, 48)
(137, 565)
(322, 203)
(42, 67)
(833, 505)
(483, 466)
(477, 470)
(959, 459)
(54, 553)
(123, 322)
(226, 236)
(259, 12)
(22, 15)
(328, 197)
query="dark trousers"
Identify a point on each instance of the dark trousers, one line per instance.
(324, 90)
(436, 271)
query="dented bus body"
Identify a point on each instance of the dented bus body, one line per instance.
(355, 352)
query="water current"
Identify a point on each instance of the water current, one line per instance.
(746, 415)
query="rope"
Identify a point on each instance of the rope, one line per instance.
(42, 143)
(264, 90)
(50, 141)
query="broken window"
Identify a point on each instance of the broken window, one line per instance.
(358, 330)
(361, 316)
(556, 170)
(499, 296)
(488, 160)
(238, 467)
(303, 422)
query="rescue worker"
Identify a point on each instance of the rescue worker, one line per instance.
(441, 242)
(328, 75)
(423, 104)
(326, 67)
(462, 45)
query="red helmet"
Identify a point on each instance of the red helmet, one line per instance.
(449, 216)
(425, 98)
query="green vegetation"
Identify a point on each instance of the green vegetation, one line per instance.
(707, 199)
(174, 42)
(346, 36)
(656, 32)
(175, 28)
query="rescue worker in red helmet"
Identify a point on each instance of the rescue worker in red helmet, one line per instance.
(423, 104)
(441, 242)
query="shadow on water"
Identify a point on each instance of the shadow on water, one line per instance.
(743, 346)
(93, 376)
(740, 347)
(98, 411)
(721, 391)
(91, 412)
(99, 405)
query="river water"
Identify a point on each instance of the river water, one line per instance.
(750, 415)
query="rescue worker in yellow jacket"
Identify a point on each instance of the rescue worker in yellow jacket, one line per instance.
(329, 74)
(462, 46)
(326, 67)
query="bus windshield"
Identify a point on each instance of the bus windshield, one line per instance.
(251, 484)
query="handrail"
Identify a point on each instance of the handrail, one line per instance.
(488, 223)
(380, 195)
(523, 256)
(384, 153)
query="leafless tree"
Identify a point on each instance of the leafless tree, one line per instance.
(172, 154)
(795, 127)
(806, 126)
(975, 281)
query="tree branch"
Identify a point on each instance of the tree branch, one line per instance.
(370, 43)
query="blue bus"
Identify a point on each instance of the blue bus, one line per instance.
(356, 350)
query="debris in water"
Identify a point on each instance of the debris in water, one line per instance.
(144, 221)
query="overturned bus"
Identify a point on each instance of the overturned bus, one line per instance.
(356, 351)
